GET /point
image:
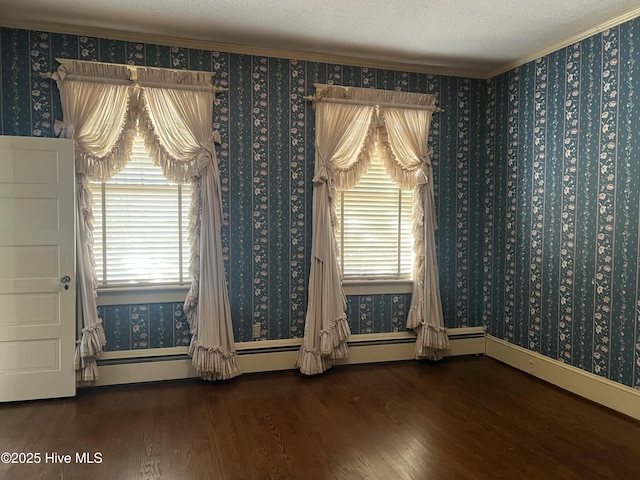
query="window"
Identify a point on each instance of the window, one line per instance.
(141, 225)
(374, 228)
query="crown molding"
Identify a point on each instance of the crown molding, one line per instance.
(235, 48)
(611, 23)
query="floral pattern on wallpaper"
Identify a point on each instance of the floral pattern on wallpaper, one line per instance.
(143, 326)
(462, 214)
(567, 204)
(489, 206)
(373, 313)
(266, 165)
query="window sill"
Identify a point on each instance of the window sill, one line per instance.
(124, 295)
(376, 287)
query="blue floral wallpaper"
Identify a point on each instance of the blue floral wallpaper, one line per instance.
(143, 326)
(266, 163)
(537, 188)
(561, 201)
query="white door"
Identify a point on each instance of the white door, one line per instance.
(37, 252)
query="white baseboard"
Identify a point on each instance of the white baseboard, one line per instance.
(600, 390)
(118, 368)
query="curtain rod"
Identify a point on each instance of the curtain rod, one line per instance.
(430, 108)
(134, 70)
(315, 99)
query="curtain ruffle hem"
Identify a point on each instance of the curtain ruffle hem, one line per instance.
(87, 350)
(213, 363)
(431, 342)
(333, 346)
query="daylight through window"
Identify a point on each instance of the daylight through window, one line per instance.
(374, 228)
(141, 225)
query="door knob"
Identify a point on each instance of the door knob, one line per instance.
(65, 281)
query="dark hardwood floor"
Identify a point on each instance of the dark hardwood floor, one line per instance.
(462, 418)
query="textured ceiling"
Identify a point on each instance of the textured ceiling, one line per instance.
(472, 37)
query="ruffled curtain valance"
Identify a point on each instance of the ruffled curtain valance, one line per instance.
(103, 107)
(349, 123)
(97, 114)
(394, 120)
(175, 119)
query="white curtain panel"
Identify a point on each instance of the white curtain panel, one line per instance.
(343, 144)
(410, 166)
(95, 105)
(176, 118)
(92, 339)
(348, 122)
(102, 109)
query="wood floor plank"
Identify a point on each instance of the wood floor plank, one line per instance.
(462, 418)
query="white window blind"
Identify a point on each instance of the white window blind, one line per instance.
(141, 225)
(374, 227)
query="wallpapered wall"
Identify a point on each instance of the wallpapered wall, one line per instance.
(266, 163)
(563, 204)
(537, 182)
